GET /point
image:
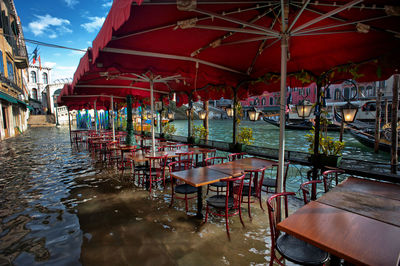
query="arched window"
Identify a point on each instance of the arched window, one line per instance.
(338, 95)
(271, 101)
(33, 77)
(346, 93)
(369, 91)
(45, 79)
(353, 92)
(328, 93)
(34, 93)
(263, 101)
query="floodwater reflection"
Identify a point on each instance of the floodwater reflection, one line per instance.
(58, 206)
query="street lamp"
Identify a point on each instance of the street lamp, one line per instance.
(349, 112)
(304, 109)
(202, 114)
(229, 111)
(171, 115)
(189, 111)
(253, 114)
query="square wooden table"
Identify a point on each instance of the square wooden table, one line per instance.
(356, 221)
(199, 177)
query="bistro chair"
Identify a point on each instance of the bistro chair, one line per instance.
(269, 183)
(227, 205)
(113, 152)
(252, 188)
(178, 187)
(289, 247)
(139, 170)
(217, 186)
(236, 156)
(156, 170)
(308, 188)
(329, 176)
(126, 162)
(204, 155)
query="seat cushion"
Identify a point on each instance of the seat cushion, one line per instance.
(218, 201)
(299, 251)
(268, 182)
(246, 188)
(185, 189)
(218, 184)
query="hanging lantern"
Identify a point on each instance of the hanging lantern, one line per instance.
(229, 111)
(253, 114)
(304, 109)
(188, 112)
(202, 114)
(171, 115)
(349, 112)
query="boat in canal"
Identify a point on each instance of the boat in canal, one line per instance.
(367, 138)
(300, 125)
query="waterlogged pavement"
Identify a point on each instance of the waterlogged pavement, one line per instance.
(58, 206)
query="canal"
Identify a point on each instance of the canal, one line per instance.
(61, 206)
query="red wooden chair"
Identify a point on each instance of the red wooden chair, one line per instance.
(289, 247)
(227, 205)
(206, 154)
(330, 176)
(252, 189)
(308, 188)
(156, 170)
(271, 182)
(236, 156)
(181, 188)
(217, 186)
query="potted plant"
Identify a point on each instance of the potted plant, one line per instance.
(198, 133)
(330, 150)
(245, 137)
(169, 129)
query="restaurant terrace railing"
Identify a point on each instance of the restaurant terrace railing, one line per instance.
(362, 168)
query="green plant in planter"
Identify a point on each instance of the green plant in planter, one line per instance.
(245, 136)
(169, 129)
(330, 150)
(199, 132)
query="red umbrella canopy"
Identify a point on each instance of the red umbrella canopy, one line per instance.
(225, 43)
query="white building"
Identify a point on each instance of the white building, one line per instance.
(38, 79)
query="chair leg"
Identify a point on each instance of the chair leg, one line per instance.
(186, 203)
(248, 206)
(227, 225)
(240, 216)
(259, 199)
(206, 217)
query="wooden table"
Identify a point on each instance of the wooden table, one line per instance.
(355, 221)
(202, 176)
(199, 177)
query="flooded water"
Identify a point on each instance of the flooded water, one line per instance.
(59, 206)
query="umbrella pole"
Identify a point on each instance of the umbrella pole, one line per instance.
(129, 122)
(205, 122)
(282, 118)
(395, 106)
(316, 133)
(235, 114)
(95, 115)
(69, 126)
(153, 147)
(112, 116)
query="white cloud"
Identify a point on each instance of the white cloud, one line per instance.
(49, 64)
(49, 25)
(61, 72)
(107, 4)
(94, 24)
(80, 53)
(71, 3)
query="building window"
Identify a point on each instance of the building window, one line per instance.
(263, 101)
(33, 77)
(346, 93)
(34, 94)
(308, 91)
(328, 93)
(10, 70)
(361, 91)
(45, 80)
(353, 92)
(1, 64)
(271, 101)
(370, 91)
(338, 95)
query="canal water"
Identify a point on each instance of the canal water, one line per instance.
(267, 135)
(60, 206)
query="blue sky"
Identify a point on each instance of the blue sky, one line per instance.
(70, 23)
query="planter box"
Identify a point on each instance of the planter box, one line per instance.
(238, 147)
(326, 160)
